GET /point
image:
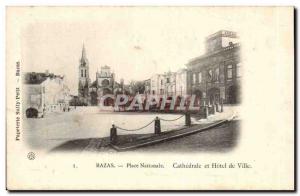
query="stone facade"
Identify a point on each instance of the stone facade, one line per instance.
(44, 93)
(181, 82)
(90, 92)
(104, 84)
(216, 75)
(156, 84)
(169, 83)
(147, 86)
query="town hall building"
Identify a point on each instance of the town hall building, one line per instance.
(216, 75)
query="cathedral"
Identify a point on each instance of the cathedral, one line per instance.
(90, 92)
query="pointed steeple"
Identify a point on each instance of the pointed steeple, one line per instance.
(83, 60)
(83, 55)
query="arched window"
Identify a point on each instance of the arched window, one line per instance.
(217, 74)
(194, 78)
(210, 75)
(199, 77)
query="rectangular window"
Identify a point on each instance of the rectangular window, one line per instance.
(229, 72)
(168, 80)
(84, 73)
(81, 73)
(200, 77)
(238, 70)
(161, 82)
(194, 78)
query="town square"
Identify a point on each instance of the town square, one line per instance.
(205, 90)
(150, 98)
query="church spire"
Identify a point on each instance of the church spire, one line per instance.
(83, 60)
(83, 55)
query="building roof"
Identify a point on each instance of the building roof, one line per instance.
(223, 33)
(105, 67)
(38, 78)
(94, 84)
(199, 58)
(181, 70)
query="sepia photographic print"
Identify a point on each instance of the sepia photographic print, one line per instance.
(150, 98)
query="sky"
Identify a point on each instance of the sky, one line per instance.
(135, 42)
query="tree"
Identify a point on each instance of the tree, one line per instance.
(137, 87)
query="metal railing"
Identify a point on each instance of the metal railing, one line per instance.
(157, 127)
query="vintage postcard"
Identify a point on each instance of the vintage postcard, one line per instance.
(150, 98)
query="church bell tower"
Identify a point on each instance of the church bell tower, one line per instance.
(84, 78)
